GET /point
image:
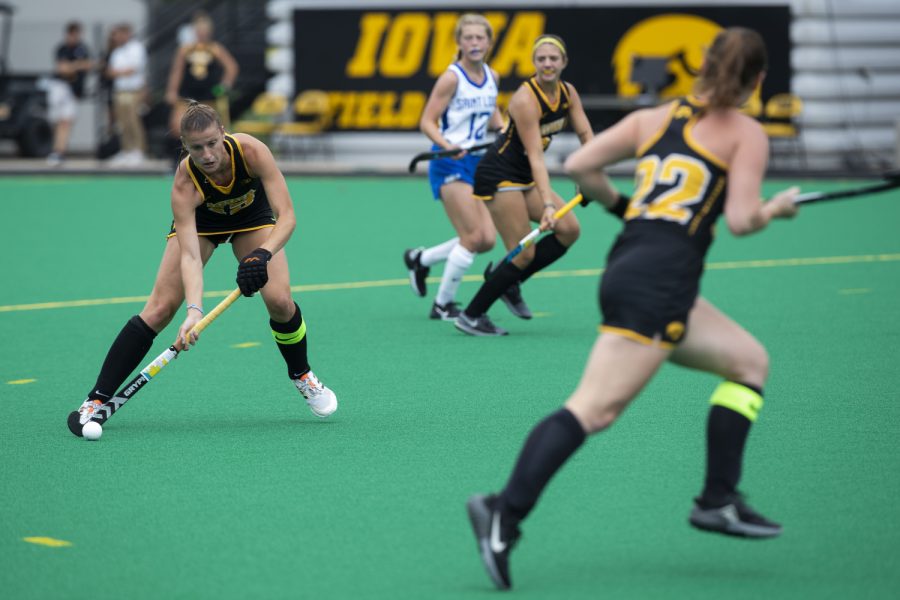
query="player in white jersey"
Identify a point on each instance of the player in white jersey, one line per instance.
(461, 109)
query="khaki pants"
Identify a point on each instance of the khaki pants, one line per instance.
(126, 106)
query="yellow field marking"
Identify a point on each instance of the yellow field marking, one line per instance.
(245, 345)
(21, 381)
(541, 315)
(848, 291)
(359, 285)
(47, 541)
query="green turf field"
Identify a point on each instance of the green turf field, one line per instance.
(217, 482)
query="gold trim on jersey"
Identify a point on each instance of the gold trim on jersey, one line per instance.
(642, 149)
(223, 189)
(553, 106)
(232, 231)
(510, 133)
(710, 200)
(697, 147)
(636, 337)
(243, 156)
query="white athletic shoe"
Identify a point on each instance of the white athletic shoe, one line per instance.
(88, 409)
(321, 400)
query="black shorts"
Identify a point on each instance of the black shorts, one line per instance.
(498, 173)
(649, 287)
(223, 237)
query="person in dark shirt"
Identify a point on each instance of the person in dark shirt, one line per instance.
(698, 158)
(227, 190)
(73, 61)
(203, 70)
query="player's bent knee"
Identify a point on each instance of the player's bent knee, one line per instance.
(281, 307)
(157, 314)
(569, 233)
(596, 417)
(751, 365)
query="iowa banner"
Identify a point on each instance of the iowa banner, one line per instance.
(374, 69)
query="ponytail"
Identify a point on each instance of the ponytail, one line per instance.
(733, 63)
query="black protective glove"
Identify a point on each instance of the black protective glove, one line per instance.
(252, 273)
(620, 206)
(618, 209)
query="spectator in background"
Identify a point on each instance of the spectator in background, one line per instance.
(73, 61)
(127, 67)
(202, 70)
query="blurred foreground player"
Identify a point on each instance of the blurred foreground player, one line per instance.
(697, 158)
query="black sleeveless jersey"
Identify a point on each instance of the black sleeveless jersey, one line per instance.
(509, 147)
(680, 186)
(202, 73)
(239, 206)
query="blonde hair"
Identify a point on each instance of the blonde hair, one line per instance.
(199, 117)
(472, 19)
(731, 67)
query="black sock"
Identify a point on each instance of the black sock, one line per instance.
(726, 434)
(547, 448)
(546, 252)
(497, 282)
(290, 338)
(123, 357)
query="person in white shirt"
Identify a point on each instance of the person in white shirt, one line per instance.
(127, 67)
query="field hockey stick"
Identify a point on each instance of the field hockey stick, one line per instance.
(891, 181)
(443, 154)
(529, 239)
(112, 405)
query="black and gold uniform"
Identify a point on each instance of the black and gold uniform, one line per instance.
(505, 165)
(202, 73)
(240, 206)
(653, 271)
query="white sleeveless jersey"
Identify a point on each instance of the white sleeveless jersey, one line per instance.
(466, 119)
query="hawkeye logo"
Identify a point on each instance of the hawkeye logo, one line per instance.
(662, 55)
(675, 330)
(232, 205)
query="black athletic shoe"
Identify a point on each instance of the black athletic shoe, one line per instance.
(478, 326)
(448, 312)
(512, 297)
(495, 537)
(417, 272)
(735, 518)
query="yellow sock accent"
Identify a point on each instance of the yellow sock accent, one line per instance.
(738, 398)
(291, 338)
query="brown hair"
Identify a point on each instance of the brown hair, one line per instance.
(198, 117)
(554, 40)
(472, 19)
(732, 65)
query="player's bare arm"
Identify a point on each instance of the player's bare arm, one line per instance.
(586, 164)
(580, 123)
(230, 66)
(176, 73)
(745, 212)
(185, 200)
(497, 121)
(438, 101)
(262, 164)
